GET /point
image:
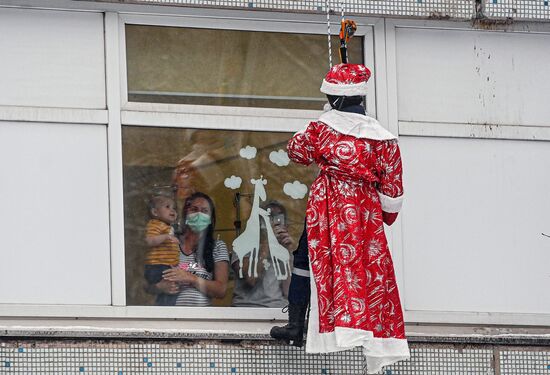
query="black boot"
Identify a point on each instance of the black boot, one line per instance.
(294, 330)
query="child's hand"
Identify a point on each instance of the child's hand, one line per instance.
(168, 287)
(172, 238)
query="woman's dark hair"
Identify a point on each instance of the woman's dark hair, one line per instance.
(209, 242)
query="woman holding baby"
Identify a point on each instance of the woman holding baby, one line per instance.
(203, 270)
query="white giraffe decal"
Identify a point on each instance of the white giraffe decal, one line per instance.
(249, 241)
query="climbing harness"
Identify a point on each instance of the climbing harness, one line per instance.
(347, 30)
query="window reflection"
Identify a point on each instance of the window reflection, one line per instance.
(229, 67)
(267, 285)
(257, 209)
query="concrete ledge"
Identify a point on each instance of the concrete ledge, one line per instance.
(87, 332)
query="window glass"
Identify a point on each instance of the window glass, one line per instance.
(229, 67)
(245, 173)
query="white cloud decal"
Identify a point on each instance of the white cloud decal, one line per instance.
(248, 152)
(295, 190)
(233, 182)
(279, 158)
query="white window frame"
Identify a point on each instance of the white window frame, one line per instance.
(223, 118)
(274, 119)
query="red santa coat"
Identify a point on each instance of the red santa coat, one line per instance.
(355, 301)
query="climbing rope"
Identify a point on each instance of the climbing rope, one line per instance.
(327, 5)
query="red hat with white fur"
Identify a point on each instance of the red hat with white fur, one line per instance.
(346, 80)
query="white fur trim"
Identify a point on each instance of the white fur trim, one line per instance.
(389, 204)
(350, 89)
(317, 342)
(356, 125)
(381, 352)
(378, 352)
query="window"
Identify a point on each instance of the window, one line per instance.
(228, 67)
(221, 164)
(258, 194)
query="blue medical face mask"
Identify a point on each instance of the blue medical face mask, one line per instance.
(198, 221)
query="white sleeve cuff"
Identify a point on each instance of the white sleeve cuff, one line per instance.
(300, 272)
(389, 204)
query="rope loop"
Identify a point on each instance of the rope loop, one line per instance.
(327, 5)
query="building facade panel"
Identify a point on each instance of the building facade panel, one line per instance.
(472, 225)
(52, 59)
(55, 223)
(463, 75)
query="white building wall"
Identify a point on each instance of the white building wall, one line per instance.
(54, 216)
(472, 76)
(468, 241)
(54, 185)
(52, 59)
(472, 225)
(476, 208)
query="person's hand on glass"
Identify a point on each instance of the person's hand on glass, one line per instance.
(167, 287)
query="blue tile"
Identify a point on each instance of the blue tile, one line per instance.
(178, 365)
(149, 364)
(251, 5)
(145, 359)
(81, 369)
(212, 364)
(546, 3)
(548, 367)
(233, 370)
(21, 350)
(387, 372)
(119, 373)
(494, 1)
(7, 364)
(324, 371)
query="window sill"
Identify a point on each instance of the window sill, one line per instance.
(238, 331)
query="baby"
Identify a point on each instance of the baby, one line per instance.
(163, 252)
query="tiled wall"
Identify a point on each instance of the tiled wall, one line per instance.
(465, 9)
(121, 357)
(418, 8)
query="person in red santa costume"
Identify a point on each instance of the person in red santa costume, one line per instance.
(354, 297)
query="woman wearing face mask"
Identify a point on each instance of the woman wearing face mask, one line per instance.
(204, 262)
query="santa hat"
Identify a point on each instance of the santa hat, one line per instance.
(346, 80)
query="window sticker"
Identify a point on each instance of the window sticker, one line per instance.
(279, 158)
(295, 190)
